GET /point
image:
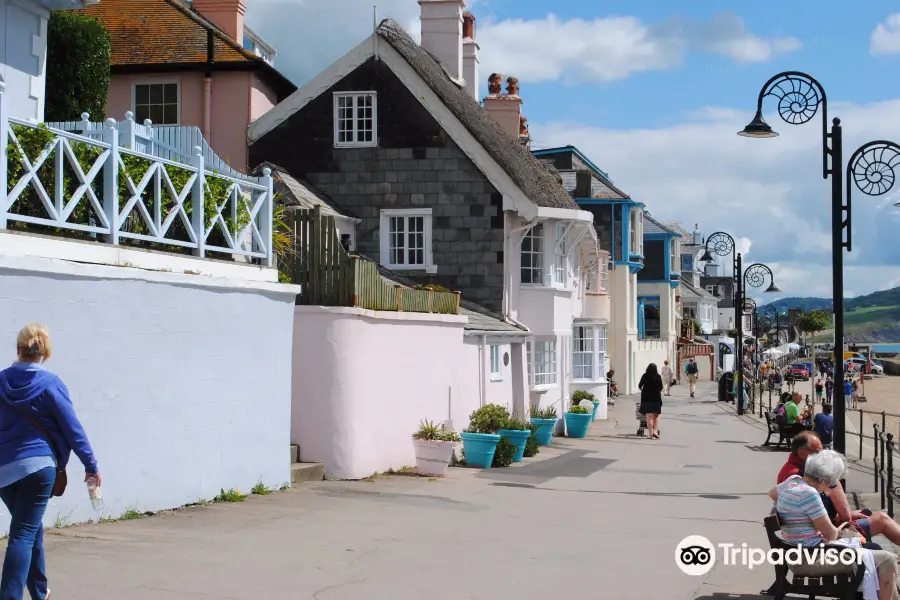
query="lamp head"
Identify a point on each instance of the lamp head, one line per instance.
(707, 257)
(772, 288)
(758, 128)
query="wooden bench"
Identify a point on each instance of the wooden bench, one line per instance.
(842, 586)
(785, 432)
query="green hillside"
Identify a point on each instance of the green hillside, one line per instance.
(874, 317)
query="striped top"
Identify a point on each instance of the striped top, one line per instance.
(798, 505)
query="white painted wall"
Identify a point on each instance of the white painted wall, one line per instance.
(182, 382)
(363, 380)
(23, 58)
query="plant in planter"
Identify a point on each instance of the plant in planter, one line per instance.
(434, 448)
(518, 433)
(505, 453)
(544, 420)
(531, 446)
(480, 439)
(580, 395)
(578, 419)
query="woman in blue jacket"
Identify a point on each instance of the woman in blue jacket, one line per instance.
(34, 406)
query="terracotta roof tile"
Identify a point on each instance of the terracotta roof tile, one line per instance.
(146, 32)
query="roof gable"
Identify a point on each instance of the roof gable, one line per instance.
(498, 156)
(601, 187)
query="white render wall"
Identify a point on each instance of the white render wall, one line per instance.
(182, 382)
(23, 51)
(363, 380)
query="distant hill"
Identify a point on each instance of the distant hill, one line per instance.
(874, 317)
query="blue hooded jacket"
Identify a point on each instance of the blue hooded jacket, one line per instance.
(28, 388)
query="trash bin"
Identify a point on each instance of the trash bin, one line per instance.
(726, 381)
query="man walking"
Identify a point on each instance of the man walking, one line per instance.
(691, 371)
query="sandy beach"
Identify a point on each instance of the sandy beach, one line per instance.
(882, 394)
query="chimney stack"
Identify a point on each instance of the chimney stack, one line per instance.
(698, 238)
(506, 108)
(442, 33)
(227, 15)
(470, 56)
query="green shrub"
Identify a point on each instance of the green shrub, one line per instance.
(531, 446)
(79, 52)
(490, 418)
(516, 425)
(579, 410)
(503, 455)
(582, 395)
(543, 413)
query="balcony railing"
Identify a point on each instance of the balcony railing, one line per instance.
(329, 276)
(109, 185)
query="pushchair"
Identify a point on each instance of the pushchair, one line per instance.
(641, 419)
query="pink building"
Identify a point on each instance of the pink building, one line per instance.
(178, 63)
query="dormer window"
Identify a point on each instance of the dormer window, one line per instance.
(355, 119)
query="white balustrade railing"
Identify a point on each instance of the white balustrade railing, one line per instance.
(110, 182)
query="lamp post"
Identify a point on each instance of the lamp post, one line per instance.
(871, 168)
(754, 276)
(723, 244)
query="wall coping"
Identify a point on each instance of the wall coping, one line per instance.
(77, 251)
(382, 315)
(64, 267)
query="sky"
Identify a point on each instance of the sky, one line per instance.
(653, 93)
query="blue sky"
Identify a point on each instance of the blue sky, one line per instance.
(653, 92)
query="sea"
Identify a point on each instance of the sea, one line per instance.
(886, 348)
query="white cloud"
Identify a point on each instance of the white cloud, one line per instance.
(770, 192)
(885, 38)
(312, 34)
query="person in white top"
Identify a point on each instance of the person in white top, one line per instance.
(668, 378)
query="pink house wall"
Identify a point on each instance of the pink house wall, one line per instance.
(237, 98)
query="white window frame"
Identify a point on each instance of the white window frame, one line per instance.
(385, 239)
(560, 258)
(355, 143)
(140, 82)
(594, 335)
(640, 226)
(674, 258)
(496, 366)
(546, 375)
(536, 235)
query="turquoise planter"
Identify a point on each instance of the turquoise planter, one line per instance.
(518, 438)
(479, 448)
(577, 424)
(596, 406)
(544, 430)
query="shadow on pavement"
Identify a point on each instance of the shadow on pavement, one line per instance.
(727, 596)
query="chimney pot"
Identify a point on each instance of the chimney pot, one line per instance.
(494, 84)
(468, 26)
(512, 86)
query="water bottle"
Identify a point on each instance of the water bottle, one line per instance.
(94, 492)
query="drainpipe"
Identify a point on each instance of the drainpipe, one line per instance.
(207, 85)
(482, 373)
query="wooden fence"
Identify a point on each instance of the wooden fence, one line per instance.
(329, 276)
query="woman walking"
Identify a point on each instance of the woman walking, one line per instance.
(39, 430)
(651, 386)
(668, 378)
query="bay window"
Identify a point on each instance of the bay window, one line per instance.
(533, 256)
(542, 362)
(589, 352)
(559, 263)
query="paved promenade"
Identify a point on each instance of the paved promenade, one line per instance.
(593, 518)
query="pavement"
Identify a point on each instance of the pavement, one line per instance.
(598, 518)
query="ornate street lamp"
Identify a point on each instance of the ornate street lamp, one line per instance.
(871, 167)
(754, 276)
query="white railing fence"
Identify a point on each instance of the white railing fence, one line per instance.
(123, 181)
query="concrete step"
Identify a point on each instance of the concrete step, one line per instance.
(295, 453)
(301, 472)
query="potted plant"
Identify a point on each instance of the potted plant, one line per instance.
(531, 446)
(481, 437)
(434, 448)
(580, 395)
(544, 420)
(578, 419)
(517, 433)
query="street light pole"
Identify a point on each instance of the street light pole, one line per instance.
(871, 168)
(739, 343)
(754, 276)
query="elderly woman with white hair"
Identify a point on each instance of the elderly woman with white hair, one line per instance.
(805, 522)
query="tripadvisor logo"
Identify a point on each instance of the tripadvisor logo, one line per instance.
(696, 555)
